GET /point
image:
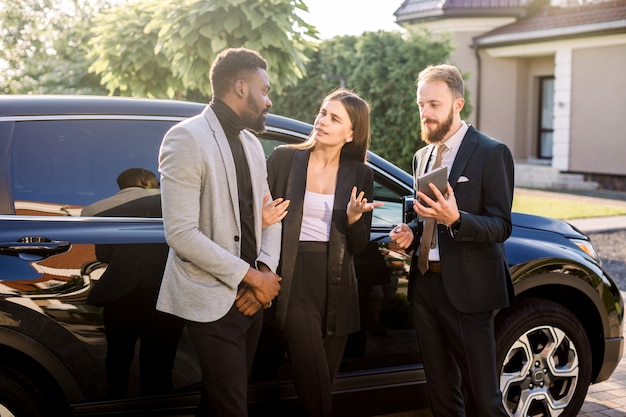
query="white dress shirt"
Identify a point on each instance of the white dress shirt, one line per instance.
(452, 145)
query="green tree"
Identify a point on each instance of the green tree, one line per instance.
(381, 67)
(165, 48)
(334, 59)
(123, 52)
(43, 47)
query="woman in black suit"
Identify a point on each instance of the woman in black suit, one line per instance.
(330, 191)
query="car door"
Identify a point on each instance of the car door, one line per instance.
(48, 267)
(48, 263)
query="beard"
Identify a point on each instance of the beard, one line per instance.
(437, 135)
(253, 117)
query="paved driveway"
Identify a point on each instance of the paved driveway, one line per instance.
(608, 398)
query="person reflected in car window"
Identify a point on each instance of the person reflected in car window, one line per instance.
(331, 193)
(459, 273)
(133, 183)
(128, 291)
(220, 270)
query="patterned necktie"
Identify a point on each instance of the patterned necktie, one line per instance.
(428, 233)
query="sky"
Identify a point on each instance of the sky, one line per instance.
(351, 17)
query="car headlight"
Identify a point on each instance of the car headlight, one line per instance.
(586, 247)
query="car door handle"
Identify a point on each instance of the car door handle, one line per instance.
(34, 248)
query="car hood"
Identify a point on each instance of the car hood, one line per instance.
(530, 221)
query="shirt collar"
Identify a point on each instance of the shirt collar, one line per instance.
(455, 140)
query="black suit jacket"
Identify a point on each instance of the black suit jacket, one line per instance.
(130, 266)
(474, 268)
(287, 171)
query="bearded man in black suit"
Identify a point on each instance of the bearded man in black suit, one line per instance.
(462, 276)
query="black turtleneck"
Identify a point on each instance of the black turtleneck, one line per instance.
(232, 125)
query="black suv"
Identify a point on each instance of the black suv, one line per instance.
(59, 154)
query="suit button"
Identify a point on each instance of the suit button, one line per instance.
(236, 238)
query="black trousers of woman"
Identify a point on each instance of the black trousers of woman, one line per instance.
(314, 358)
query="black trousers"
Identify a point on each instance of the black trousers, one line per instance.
(314, 358)
(135, 318)
(458, 351)
(226, 349)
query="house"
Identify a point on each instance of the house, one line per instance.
(547, 77)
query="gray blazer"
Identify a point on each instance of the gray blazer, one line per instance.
(201, 218)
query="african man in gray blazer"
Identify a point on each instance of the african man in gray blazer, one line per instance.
(463, 276)
(219, 275)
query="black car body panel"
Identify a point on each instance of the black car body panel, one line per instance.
(59, 153)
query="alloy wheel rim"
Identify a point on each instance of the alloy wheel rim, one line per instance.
(539, 373)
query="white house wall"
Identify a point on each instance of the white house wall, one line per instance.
(502, 102)
(577, 64)
(598, 138)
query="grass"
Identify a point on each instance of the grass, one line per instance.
(562, 208)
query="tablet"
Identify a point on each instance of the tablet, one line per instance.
(438, 176)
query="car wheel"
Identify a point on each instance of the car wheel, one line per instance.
(21, 397)
(544, 359)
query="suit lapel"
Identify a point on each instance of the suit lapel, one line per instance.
(468, 144)
(294, 191)
(346, 179)
(421, 160)
(248, 142)
(227, 157)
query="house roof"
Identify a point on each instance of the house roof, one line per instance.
(424, 9)
(535, 19)
(561, 22)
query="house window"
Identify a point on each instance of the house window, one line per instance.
(546, 117)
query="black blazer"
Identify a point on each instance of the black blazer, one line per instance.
(287, 171)
(131, 266)
(474, 268)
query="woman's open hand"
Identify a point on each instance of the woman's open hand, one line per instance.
(358, 205)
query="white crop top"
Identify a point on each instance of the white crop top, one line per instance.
(317, 215)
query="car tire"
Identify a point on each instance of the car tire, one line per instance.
(544, 358)
(21, 396)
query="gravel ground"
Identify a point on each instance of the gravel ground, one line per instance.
(612, 250)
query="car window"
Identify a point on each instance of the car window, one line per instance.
(391, 212)
(59, 166)
(270, 144)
